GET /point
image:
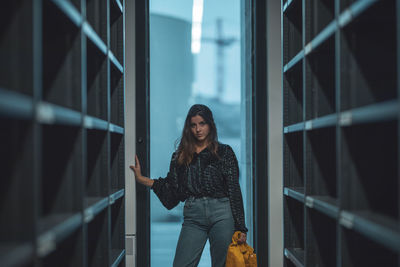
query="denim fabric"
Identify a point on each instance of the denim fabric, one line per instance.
(205, 218)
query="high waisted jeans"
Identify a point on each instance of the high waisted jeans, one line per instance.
(204, 218)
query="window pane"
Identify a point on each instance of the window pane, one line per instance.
(195, 57)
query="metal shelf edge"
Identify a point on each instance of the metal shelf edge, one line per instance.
(17, 255)
(116, 129)
(325, 34)
(70, 11)
(286, 6)
(353, 11)
(115, 61)
(290, 256)
(322, 122)
(322, 206)
(294, 127)
(119, 258)
(95, 123)
(92, 35)
(117, 195)
(47, 113)
(119, 5)
(293, 61)
(15, 105)
(377, 232)
(46, 242)
(372, 113)
(294, 194)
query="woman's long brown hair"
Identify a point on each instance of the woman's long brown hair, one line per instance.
(187, 142)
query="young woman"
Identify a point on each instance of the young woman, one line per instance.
(204, 173)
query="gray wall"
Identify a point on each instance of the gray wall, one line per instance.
(274, 85)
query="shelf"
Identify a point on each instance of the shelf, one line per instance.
(96, 82)
(294, 128)
(94, 205)
(117, 256)
(119, 5)
(351, 8)
(369, 157)
(117, 97)
(295, 255)
(16, 44)
(293, 31)
(293, 223)
(327, 33)
(385, 111)
(320, 80)
(321, 162)
(293, 163)
(319, 13)
(97, 171)
(15, 105)
(117, 162)
(295, 193)
(118, 225)
(378, 228)
(294, 61)
(61, 58)
(68, 253)
(49, 114)
(70, 9)
(321, 122)
(368, 78)
(13, 254)
(116, 129)
(115, 61)
(318, 123)
(321, 240)
(116, 195)
(53, 229)
(293, 95)
(98, 241)
(325, 204)
(116, 31)
(94, 37)
(61, 120)
(16, 154)
(61, 170)
(93, 123)
(358, 251)
(96, 14)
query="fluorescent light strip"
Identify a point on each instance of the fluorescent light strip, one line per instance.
(197, 18)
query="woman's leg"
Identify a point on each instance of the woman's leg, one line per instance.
(221, 232)
(190, 246)
(193, 236)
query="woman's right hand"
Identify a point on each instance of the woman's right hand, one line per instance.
(138, 174)
(136, 168)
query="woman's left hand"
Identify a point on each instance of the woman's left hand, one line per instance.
(242, 239)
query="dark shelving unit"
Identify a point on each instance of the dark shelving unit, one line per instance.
(62, 198)
(16, 44)
(293, 30)
(61, 58)
(320, 80)
(341, 132)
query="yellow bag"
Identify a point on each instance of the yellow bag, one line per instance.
(240, 255)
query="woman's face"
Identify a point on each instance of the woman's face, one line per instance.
(200, 129)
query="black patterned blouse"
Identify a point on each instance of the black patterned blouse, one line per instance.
(207, 175)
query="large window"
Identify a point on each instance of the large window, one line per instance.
(195, 57)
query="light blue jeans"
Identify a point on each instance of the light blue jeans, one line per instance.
(205, 218)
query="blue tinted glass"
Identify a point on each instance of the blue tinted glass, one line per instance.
(195, 57)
